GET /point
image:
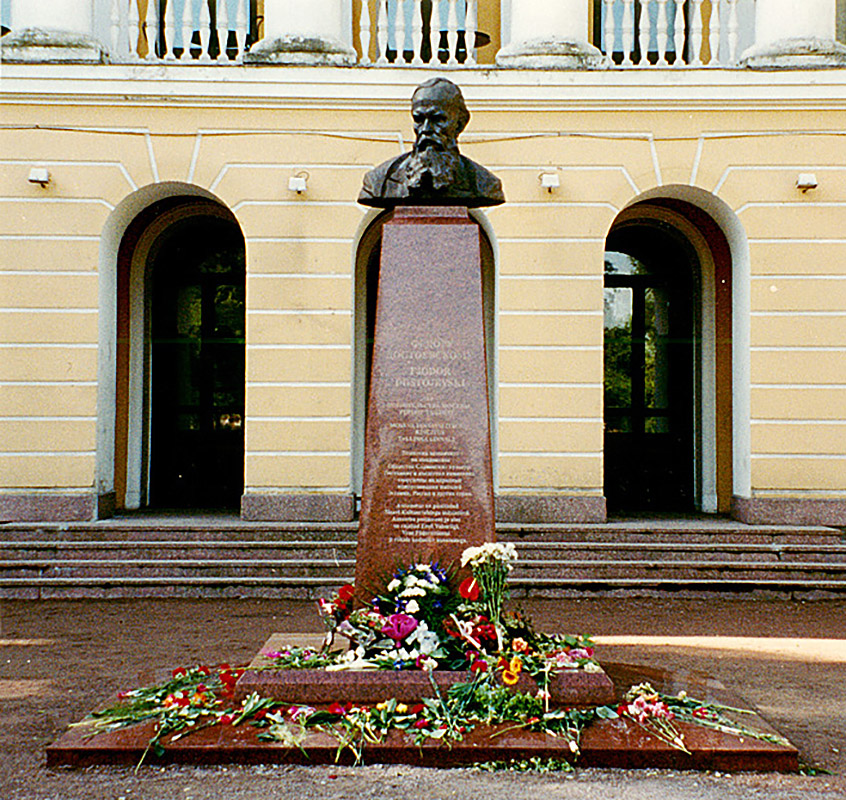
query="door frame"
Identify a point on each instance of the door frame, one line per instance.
(134, 390)
(711, 446)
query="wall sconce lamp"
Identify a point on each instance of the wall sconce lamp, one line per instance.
(549, 181)
(39, 175)
(298, 183)
(806, 181)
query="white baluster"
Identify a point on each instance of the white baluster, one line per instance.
(452, 32)
(663, 38)
(170, 30)
(628, 32)
(241, 26)
(134, 29)
(205, 30)
(470, 25)
(678, 33)
(696, 33)
(435, 31)
(733, 30)
(399, 32)
(610, 29)
(114, 21)
(417, 32)
(645, 32)
(382, 32)
(714, 32)
(187, 29)
(151, 28)
(364, 31)
(222, 30)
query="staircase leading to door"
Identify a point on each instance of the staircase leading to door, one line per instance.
(224, 557)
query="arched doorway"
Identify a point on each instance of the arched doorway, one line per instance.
(179, 426)
(667, 381)
(367, 258)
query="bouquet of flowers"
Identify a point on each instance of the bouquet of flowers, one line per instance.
(491, 563)
(404, 627)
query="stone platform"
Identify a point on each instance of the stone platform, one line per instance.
(619, 743)
(366, 687)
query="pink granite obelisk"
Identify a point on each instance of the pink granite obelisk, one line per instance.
(428, 485)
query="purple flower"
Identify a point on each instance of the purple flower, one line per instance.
(399, 626)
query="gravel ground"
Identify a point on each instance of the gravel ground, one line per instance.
(60, 658)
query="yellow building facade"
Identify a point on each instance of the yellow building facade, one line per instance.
(187, 280)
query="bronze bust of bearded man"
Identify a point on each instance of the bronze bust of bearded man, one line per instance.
(434, 172)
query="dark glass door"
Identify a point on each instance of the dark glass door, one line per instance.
(197, 367)
(650, 372)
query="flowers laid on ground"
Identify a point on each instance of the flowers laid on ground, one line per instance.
(190, 700)
(658, 713)
(420, 621)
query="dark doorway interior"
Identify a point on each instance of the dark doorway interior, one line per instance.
(651, 288)
(197, 365)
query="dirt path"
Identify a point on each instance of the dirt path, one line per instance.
(59, 659)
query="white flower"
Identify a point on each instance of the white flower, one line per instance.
(394, 584)
(411, 607)
(592, 666)
(489, 552)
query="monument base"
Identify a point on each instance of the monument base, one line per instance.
(618, 743)
(368, 687)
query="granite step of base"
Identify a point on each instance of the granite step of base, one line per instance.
(619, 743)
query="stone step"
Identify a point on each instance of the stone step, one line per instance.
(221, 557)
(524, 565)
(309, 589)
(332, 571)
(230, 529)
(165, 551)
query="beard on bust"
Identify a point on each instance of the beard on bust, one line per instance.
(432, 169)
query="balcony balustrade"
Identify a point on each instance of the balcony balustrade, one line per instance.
(610, 34)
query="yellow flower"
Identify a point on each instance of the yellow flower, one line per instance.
(401, 708)
(516, 664)
(510, 678)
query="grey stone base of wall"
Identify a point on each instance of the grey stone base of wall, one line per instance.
(796, 53)
(549, 508)
(787, 511)
(279, 507)
(50, 506)
(44, 46)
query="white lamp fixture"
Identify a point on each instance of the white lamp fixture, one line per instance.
(39, 175)
(298, 183)
(806, 181)
(549, 181)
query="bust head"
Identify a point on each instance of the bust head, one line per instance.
(434, 172)
(439, 114)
